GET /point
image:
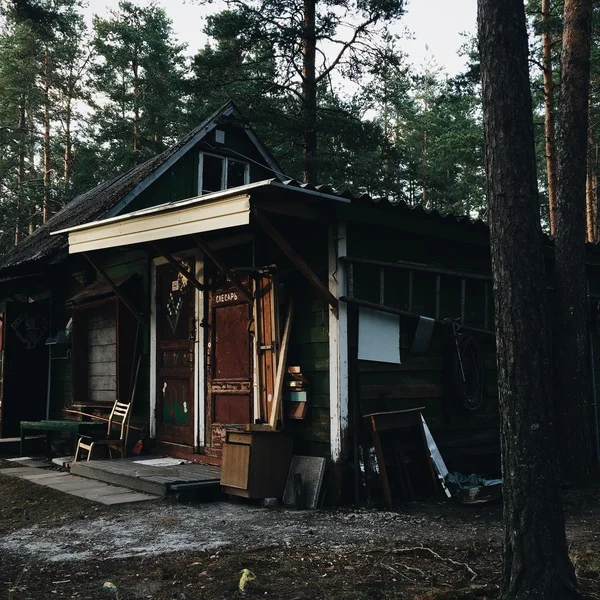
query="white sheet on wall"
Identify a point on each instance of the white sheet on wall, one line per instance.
(378, 336)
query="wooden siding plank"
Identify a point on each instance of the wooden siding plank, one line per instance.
(103, 382)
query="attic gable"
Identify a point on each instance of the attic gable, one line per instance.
(151, 178)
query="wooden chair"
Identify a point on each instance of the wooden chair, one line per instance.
(117, 422)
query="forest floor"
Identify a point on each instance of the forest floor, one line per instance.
(57, 546)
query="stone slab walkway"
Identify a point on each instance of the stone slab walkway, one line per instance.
(82, 487)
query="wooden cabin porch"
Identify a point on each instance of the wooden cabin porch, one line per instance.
(152, 475)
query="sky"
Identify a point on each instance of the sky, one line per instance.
(435, 25)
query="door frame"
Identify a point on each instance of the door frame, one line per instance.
(199, 362)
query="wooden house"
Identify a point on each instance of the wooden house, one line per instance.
(191, 261)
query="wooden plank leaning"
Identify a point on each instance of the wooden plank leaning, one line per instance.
(278, 391)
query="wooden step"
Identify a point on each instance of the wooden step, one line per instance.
(148, 478)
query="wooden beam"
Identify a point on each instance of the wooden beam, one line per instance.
(297, 260)
(214, 257)
(136, 313)
(177, 265)
(282, 358)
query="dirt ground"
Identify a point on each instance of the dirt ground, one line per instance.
(57, 546)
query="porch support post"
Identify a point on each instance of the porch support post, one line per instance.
(177, 265)
(208, 251)
(137, 314)
(338, 355)
(280, 241)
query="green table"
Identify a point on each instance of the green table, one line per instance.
(48, 426)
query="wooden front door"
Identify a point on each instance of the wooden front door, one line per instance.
(229, 368)
(175, 330)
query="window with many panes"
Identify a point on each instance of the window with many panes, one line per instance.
(220, 173)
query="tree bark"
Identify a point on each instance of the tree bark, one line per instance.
(47, 166)
(309, 93)
(591, 195)
(572, 377)
(549, 121)
(20, 168)
(536, 560)
(136, 109)
(68, 160)
(68, 157)
(424, 166)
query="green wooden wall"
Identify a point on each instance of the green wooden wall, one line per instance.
(421, 380)
(181, 180)
(72, 278)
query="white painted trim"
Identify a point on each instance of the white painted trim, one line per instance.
(204, 200)
(231, 212)
(224, 171)
(199, 362)
(338, 344)
(153, 364)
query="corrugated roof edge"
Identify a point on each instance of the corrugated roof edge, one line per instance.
(386, 204)
(325, 192)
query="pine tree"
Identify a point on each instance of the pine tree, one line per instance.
(536, 558)
(137, 86)
(299, 34)
(20, 104)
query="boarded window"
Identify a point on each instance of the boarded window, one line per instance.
(102, 353)
(104, 342)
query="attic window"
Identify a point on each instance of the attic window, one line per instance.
(220, 173)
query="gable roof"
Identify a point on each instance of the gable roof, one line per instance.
(112, 197)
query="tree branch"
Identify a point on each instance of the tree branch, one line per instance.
(358, 31)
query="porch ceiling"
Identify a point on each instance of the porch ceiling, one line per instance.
(151, 225)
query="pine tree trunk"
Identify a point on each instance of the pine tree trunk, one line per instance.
(536, 560)
(309, 93)
(20, 169)
(68, 160)
(68, 156)
(572, 382)
(424, 165)
(549, 125)
(136, 110)
(47, 167)
(591, 199)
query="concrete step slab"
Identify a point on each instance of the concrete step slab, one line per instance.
(82, 487)
(126, 498)
(71, 485)
(108, 494)
(45, 478)
(17, 471)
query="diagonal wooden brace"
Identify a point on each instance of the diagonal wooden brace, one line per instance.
(177, 265)
(214, 257)
(115, 288)
(295, 258)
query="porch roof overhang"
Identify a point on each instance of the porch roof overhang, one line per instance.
(210, 212)
(159, 223)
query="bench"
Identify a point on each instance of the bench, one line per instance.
(64, 426)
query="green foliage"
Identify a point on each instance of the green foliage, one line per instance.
(136, 86)
(125, 91)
